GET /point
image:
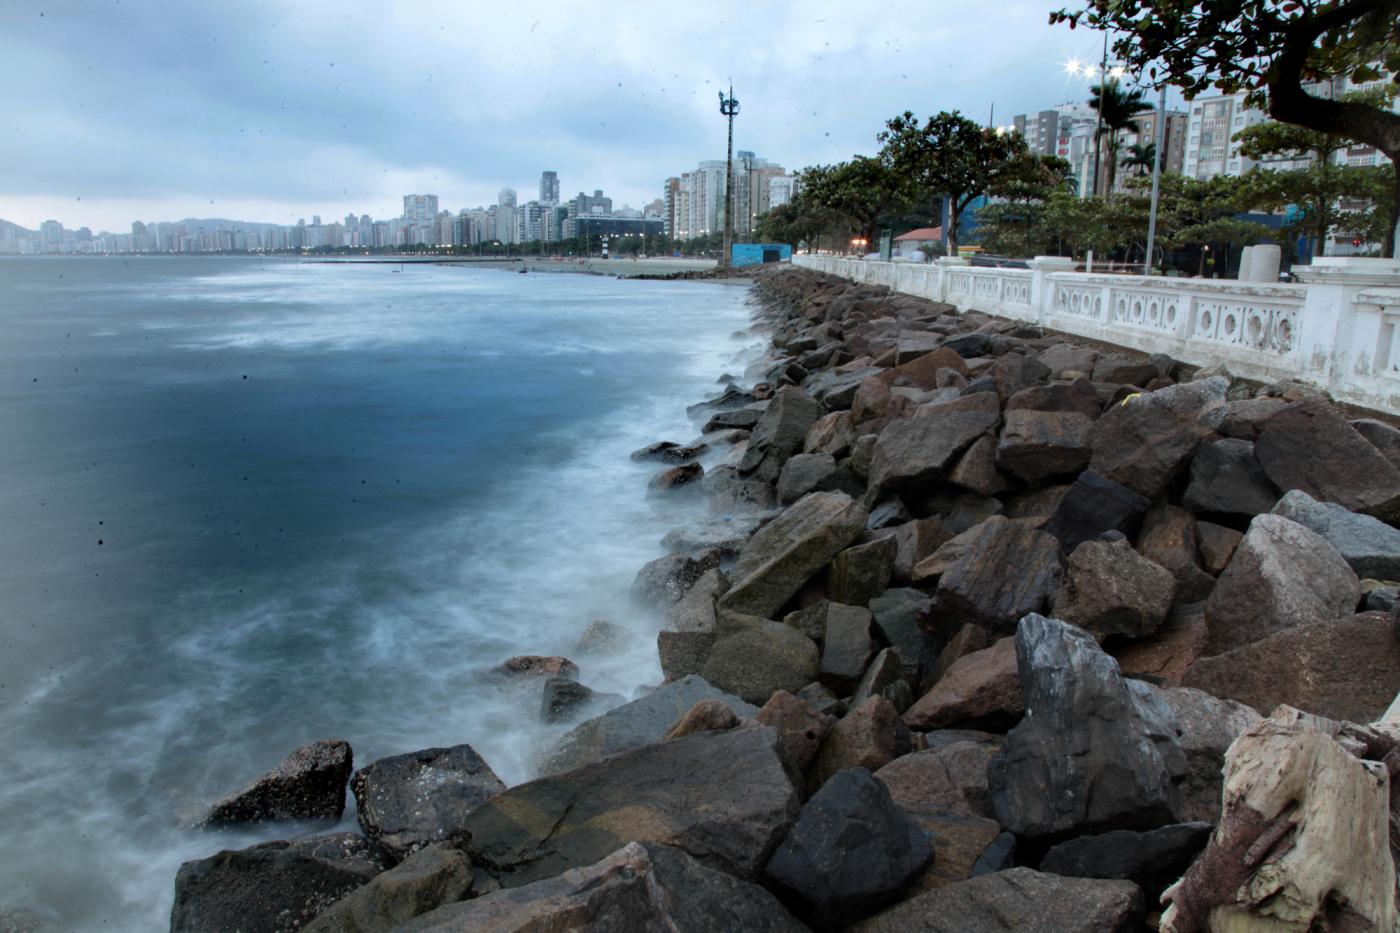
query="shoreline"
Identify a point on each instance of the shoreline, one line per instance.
(924, 523)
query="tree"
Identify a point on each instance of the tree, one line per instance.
(1014, 222)
(1268, 49)
(1141, 156)
(862, 191)
(1117, 109)
(949, 155)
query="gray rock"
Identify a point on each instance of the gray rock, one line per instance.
(1017, 899)
(897, 613)
(848, 645)
(566, 700)
(978, 586)
(641, 722)
(1208, 726)
(1309, 446)
(1383, 437)
(966, 754)
(801, 474)
(1090, 752)
(1281, 575)
(651, 794)
(1109, 589)
(726, 534)
(731, 494)
(427, 879)
(779, 433)
(884, 677)
(870, 737)
(1146, 440)
(662, 582)
(801, 728)
(676, 480)
(1078, 395)
(1369, 546)
(851, 851)
(860, 573)
(787, 552)
(641, 886)
(761, 658)
(916, 450)
(309, 784)
(273, 886)
(406, 802)
(1226, 478)
(1153, 859)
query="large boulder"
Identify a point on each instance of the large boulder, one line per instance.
(1153, 859)
(897, 613)
(801, 474)
(309, 784)
(690, 628)
(641, 722)
(1208, 726)
(779, 433)
(1005, 570)
(1144, 441)
(641, 886)
(1348, 669)
(848, 645)
(760, 657)
(1078, 395)
(921, 782)
(1368, 545)
(1309, 446)
(1017, 899)
(1093, 505)
(966, 754)
(1281, 575)
(860, 573)
(801, 728)
(870, 737)
(272, 887)
(427, 879)
(663, 582)
(1227, 478)
(916, 450)
(1035, 445)
(652, 794)
(789, 550)
(406, 802)
(1111, 590)
(1090, 753)
(981, 689)
(851, 852)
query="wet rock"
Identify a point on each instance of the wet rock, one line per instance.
(801, 475)
(1369, 546)
(851, 852)
(731, 494)
(654, 451)
(641, 722)
(690, 627)
(1152, 859)
(732, 397)
(662, 582)
(546, 826)
(1094, 505)
(727, 534)
(641, 886)
(801, 728)
(1208, 726)
(830, 434)
(860, 573)
(785, 553)
(309, 784)
(1144, 441)
(1036, 445)
(427, 879)
(1281, 575)
(920, 781)
(848, 645)
(1089, 754)
(705, 716)
(870, 737)
(565, 700)
(1226, 478)
(1109, 589)
(604, 637)
(1017, 899)
(981, 690)
(273, 886)
(407, 802)
(779, 433)
(1005, 571)
(536, 665)
(1309, 446)
(916, 450)
(685, 477)
(742, 418)
(1347, 669)
(759, 658)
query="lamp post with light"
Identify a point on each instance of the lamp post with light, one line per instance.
(729, 107)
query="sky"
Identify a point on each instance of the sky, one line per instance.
(269, 112)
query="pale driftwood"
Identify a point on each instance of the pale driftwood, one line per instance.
(1303, 839)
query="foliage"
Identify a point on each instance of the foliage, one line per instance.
(1117, 109)
(1015, 223)
(1141, 156)
(862, 191)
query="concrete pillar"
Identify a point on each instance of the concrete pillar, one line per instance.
(1260, 263)
(1041, 291)
(1336, 341)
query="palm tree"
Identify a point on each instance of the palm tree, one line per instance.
(1141, 156)
(1117, 107)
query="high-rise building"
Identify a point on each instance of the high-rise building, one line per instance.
(505, 216)
(549, 188)
(420, 209)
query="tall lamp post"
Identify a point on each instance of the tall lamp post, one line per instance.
(729, 107)
(1161, 134)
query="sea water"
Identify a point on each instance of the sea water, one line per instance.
(246, 504)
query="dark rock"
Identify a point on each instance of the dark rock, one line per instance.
(785, 553)
(641, 886)
(1123, 371)
(273, 886)
(1369, 546)
(406, 802)
(1109, 589)
(566, 700)
(964, 641)
(830, 434)
(1169, 539)
(664, 581)
(744, 418)
(1064, 357)
(1208, 726)
(1015, 372)
(1089, 753)
(848, 645)
(897, 613)
(916, 450)
(969, 346)
(705, 716)
(802, 473)
(539, 829)
(958, 843)
(920, 782)
(890, 513)
(836, 389)
(870, 737)
(860, 573)
(976, 470)
(967, 754)
(1164, 658)
(727, 534)
(1384, 437)
(999, 855)
(1309, 446)
(1216, 545)
(981, 689)
(309, 784)
(1017, 899)
(654, 451)
(684, 477)
(885, 678)
(851, 851)
(1226, 478)
(914, 541)
(1036, 445)
(731, 494)
(1077, 396)
(922, 371)
(1092, 506)
(1006, 571)
(779, 433)
(1153, 859)
(759, 658)
(872, 401)
(1245, 418)
(690, 629)
(800, 727)
(427, 879)
(820, 698)
(535, 665)
(1348, 669)
(1281, 575)
(732, 397)
(641, 722)
(1144, 441)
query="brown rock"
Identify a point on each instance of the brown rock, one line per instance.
(916, 450)
(1164, 658)
(1109, 589)
(1169, 539)
(958, 842)
(1384, 437)
(830, 434)
(966, 640)
(1035, 445)
(966, 754)
(705, 716)
(801, 729)
(1216, 544)
(869, 737)
(872, 401)
(981, 689)
(1078, 395)
(922, 371)
(675, 478)
(1005, 571)
(534, 665)
(1145, 440)
(914, 541)
(977, 470)
(1245, 418)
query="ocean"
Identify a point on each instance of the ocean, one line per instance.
(245, 504)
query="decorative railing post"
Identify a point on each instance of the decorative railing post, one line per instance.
(1042, 287)
(1342, 343)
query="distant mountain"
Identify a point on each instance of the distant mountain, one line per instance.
(214, 223)
(7, 227)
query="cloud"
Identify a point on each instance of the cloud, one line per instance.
(289, 110)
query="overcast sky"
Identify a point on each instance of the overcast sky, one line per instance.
(270, 112)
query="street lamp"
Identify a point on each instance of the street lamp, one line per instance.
(729, 107)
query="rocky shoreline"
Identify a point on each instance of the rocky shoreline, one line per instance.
(985, 630)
